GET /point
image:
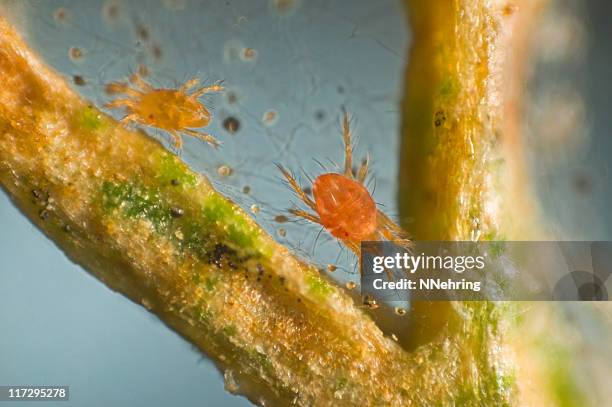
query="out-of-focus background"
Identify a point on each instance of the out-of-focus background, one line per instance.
(290, 67)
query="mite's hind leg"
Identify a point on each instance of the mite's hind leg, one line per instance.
(208, 89)
(127, 119)
(298, 190)
(391, 231)
(355, 247)
(377, 251)
(178, 141)
(348, 148)
(305, 215)
(203, 136)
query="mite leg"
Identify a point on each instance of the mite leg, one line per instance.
(305, 215)
(189, 84)
(203, 136)
(129, 118)
(178, 140)
(377, 252)
(126, 120)
(348, 149)
(114, 88)
(114, 104)
(391, 231)
(141, 83)
(362, 173)
(208, 89)
(355, 247)
(305, 198)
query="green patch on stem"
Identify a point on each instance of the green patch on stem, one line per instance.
(139, 202)
(318, 286)
(239, 230)
(262, 361)
(174, 171)
(341, 383)
(203, 315)
(136, 201)
(210, 283)
(90, 119)
(216, 210)
(449, 86)
(507, 381)
(229, 330)
(197, 240)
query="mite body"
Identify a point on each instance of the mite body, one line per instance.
(177, 111)
(343, 205)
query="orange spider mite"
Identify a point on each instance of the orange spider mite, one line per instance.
(177, 111)
(343, 205)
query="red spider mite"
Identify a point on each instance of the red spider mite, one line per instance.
(177, 111)
(344, 206)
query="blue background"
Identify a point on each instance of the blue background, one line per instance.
(58, 325)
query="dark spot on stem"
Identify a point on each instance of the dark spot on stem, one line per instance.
(176, 212)
(439, 118)
(370, 302)
(43, 214)
(41, 197)
(219, 253)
